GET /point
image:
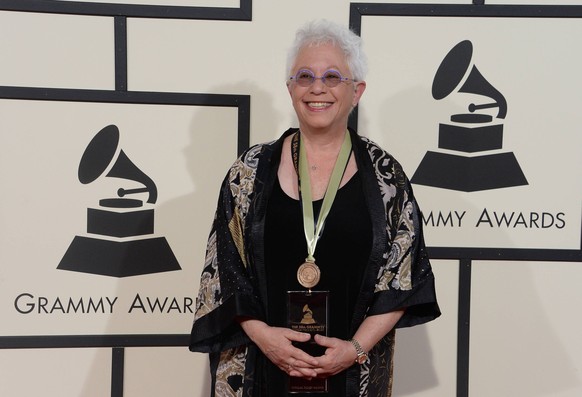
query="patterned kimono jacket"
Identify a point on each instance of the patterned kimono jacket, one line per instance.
(398, 273)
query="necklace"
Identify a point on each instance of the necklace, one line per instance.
(309, 273)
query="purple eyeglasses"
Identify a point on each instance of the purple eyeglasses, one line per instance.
(330, 78)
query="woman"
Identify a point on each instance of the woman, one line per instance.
(369, 260)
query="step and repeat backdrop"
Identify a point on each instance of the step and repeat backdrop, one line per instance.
(119, 119)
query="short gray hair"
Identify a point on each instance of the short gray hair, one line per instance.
(322, 31)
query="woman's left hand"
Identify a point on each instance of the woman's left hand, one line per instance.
(339, 356)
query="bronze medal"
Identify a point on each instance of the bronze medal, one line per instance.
(308, 274)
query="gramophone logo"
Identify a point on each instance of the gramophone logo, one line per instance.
(471, 135)
(121, 241)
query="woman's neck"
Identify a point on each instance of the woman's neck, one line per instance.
(319, 141)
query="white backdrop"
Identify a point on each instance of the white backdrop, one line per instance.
(524, 331)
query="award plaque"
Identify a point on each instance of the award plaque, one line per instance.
(307, 311)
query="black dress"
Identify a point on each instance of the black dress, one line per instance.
(341, 254)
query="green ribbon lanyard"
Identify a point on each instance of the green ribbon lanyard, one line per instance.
(312, 230)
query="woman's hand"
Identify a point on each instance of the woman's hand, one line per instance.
(339, 356)
(276, 344)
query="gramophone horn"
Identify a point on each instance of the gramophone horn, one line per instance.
(453, 69)
(100, 154)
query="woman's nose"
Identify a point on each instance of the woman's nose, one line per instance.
(318, 86)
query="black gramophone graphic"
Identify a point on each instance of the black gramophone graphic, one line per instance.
(469, 133)
(121, 242)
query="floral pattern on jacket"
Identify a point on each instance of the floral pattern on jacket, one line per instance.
(398, 274)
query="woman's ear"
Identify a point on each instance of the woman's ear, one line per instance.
(359, 91)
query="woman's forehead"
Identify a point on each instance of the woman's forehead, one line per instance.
(320, 56)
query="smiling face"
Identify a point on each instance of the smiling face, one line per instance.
(319, 107)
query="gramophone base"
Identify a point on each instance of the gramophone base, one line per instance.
(470, 138)
(469, 174)
(120, 224)
(119, 258)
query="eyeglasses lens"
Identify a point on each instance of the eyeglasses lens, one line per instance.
(304, 78)
(331, 79)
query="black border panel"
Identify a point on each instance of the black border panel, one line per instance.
(120, 34)
(357, 10)
(93, 341)
(506, 254)
(463, 328)
(243, 13)
(242, 102)
(117, 371)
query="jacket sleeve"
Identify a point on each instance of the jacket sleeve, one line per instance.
(405, 280)
(226, 291)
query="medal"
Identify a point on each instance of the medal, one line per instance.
(308, 275)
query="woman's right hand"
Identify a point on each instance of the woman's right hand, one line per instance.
(276, 344)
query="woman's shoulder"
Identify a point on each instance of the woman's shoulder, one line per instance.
(263, 150)
(253, 153)
(381, 159)
(250, 159)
